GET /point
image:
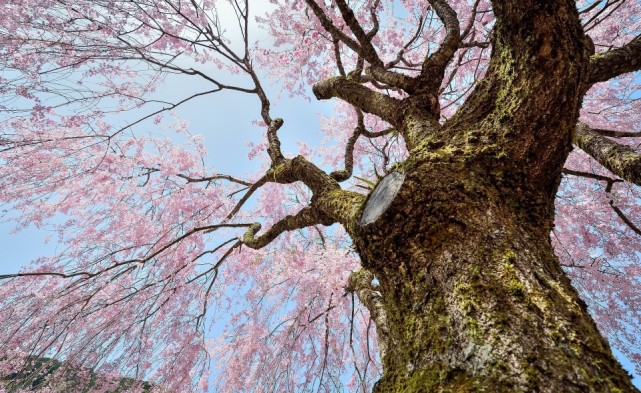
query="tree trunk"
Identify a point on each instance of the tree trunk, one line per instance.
(471, 296)
(474, 297)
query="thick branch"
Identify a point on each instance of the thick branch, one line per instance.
(299, 169)
(309, 216)
(333, 30)
(433, 68)
(363, 38)
(274, 143)
(285, 171)
(608, 65)
(393, 79)
(621, 160)
(385, 107)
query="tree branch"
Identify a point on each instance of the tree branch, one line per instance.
(274, 143)
(333, 30)
(346, 173)
(364, 39)
(433, 68)
(363, 98)
(617, 134)
(624, 218)
(213, 178)
(392, 78)
(309, 216)
(361, 283)
(608, 189)
(608, 65)
(619, 159)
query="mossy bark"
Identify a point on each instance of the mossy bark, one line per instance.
(475, 299)
(473, 295)
(470, 295)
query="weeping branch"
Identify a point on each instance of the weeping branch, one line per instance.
(619, 159)
(212, 178)
(608, 189)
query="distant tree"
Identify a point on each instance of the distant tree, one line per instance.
(461, 212)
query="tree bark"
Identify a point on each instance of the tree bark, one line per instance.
(473, 294)
(459, 272)
(470, 294)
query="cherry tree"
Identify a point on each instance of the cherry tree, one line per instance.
(468, 223)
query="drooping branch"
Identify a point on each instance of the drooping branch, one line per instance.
(608, 65)
(363, 98)
(625, 218)
(151, 254)
(619, 159)
(213, 178)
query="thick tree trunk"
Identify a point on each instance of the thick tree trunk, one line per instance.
(470, 295)
(474, 297)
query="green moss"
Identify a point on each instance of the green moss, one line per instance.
(516, 288)
(510, 256)
(513, 284)
(531, 374)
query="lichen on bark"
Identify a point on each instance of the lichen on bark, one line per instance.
(470, 295)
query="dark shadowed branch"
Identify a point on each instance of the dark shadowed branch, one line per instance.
(608, 65)
(619, 159)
